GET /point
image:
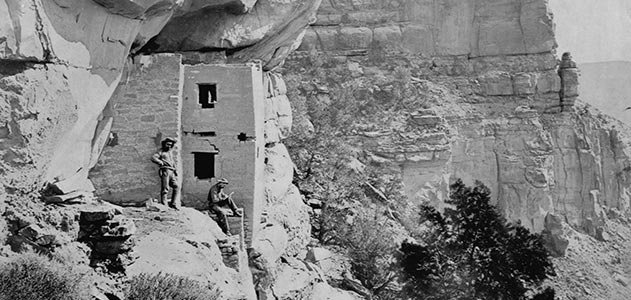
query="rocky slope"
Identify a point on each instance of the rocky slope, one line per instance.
(482, 112)
(425, 90)
(483, 104)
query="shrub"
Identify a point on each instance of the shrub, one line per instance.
(473, 253)
(30, 276)
(169, 287)
(370, 247)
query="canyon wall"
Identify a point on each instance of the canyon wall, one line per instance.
(428, 90)
(63, 59)
(454, 89)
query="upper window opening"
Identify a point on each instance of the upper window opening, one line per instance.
(207, 94)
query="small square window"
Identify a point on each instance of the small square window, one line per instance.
(207, 94)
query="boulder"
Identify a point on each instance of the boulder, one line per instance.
(96, 214)
(38, 235)
(280, 172)
(186, 245)
(554, 238)
(316, 254)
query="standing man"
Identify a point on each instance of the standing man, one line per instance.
(168, 174)
(218, 201)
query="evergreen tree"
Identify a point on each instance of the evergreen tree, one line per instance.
(472, 252)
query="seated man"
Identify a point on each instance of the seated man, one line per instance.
(218, 201)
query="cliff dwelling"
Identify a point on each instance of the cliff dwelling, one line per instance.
(209, 108)
(375, 149)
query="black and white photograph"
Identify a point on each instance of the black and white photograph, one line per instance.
(315, 149)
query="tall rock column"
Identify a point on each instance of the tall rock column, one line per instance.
(569, 81)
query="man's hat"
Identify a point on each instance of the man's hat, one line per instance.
(222, 180)
(172, 140)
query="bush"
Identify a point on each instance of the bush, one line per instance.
(169, 287)
(473, 253)
(30, 276)
(370, 247)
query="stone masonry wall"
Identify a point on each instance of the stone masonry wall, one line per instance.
(238, 110)
(145, 110)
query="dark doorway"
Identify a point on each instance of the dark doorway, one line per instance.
(204, 165)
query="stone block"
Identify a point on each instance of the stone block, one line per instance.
(278, 84)
(417, 39)
(119, 226)
(317, 254)
(351, 38)
(284, 126)
(38, 235)
(270, 110)
(328, 20)
(548, 82)
(94, 213)
(500, 31)
(280, 170)
(72, 197)
(369, 17)
(271, 132)
(496, 83)
(388, 36)
(327, 37)
(32, 232)
(537, 26)
(524, 83)
(148, 118)
(428, 120)
(418, 11)
(454, 21)
(77, 182)
(282, 106)
(419, 157)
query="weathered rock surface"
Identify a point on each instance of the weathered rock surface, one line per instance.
(271, 29)
(493, 118)
(62, 60)
(482, 127)
(445, 27)
(185, 243)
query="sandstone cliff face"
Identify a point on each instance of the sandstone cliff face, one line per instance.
(483, 106)
(80, 47)
(434, 28)
(61, 60)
